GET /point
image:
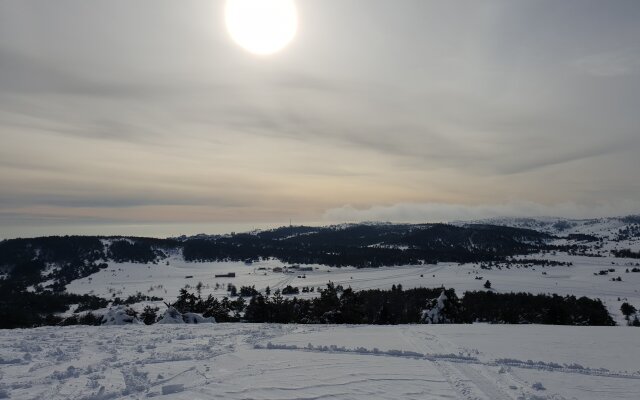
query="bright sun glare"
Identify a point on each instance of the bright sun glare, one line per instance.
(261, 26)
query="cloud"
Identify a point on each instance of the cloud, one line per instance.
(611, 64)
(442, 212)
(169, 118)
(526, 163)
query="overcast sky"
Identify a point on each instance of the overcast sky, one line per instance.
(145, 112)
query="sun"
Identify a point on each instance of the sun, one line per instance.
(261, 26)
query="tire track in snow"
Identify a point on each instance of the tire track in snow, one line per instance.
(283, 283)
(490, 385)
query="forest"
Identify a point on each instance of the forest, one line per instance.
(334, 305)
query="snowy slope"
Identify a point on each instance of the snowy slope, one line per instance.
(604, 228)
(242, 361)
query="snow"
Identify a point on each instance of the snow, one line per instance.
(193, 318)
(434, 314)
(165, 281)
(268, 361)
(171, 317)
(118, 316)
(184, 357)
(165, 278)
(171, 389)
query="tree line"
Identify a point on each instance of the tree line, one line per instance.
(335, 304)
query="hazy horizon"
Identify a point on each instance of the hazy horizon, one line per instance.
(178, 229)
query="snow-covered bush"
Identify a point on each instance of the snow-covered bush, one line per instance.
(193, 318)
(120, 315)
(538, 386)
(436, 311)
(173, 316)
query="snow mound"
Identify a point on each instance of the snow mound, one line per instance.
(538, 386)
(193, 318)
(118, 316)
(173, 316)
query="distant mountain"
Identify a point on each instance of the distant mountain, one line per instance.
(57, 260)
(601, 227)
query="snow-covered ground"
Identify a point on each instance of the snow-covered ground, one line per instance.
(165, 281)
(247, 361)
(251, 361)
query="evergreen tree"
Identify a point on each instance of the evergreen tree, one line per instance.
(149, 315)
(627, 310)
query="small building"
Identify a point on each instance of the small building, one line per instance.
(227, 275)
(277, 269)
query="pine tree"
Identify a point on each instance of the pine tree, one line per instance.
(148, 315)
(627, 310)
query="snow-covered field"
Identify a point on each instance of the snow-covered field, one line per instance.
(250, 361)
(247, 361)
(165, 281)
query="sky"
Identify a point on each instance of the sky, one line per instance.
(116, 115)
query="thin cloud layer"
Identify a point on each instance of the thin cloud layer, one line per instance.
(148, 112)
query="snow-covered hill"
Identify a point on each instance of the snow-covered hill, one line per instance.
(606, 228)
(164, 280)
